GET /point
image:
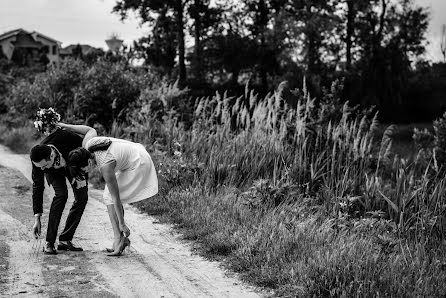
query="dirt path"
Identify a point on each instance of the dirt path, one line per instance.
(158, 264)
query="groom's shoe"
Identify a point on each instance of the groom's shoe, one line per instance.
(49, 249)
(67, 245)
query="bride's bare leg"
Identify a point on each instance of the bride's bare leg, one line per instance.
(115, 225)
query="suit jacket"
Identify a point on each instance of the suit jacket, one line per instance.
(64, 141)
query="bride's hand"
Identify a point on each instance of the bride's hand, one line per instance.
(123, 227)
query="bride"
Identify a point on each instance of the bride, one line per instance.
(128, 171)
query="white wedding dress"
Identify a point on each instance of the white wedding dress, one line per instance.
(135, 172)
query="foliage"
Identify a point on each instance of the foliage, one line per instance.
(5, 81)
(292, 189)
(17, 134)
(264, 195)
(299, 196)
(440, 142)
(297, 251)
(175, 171)
(426, 86)
(159, 50)
(231, 52)
(105, 92)
(53, 88)
(102, 92)
(373, 45)
(424, 143)
(324, 151)
(155, 114)
(157, 13)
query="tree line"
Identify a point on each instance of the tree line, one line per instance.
(374, 46)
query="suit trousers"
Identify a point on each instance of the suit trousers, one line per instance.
(58, 180)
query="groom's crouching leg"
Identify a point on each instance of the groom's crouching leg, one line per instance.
(56, 209)
(73, 220)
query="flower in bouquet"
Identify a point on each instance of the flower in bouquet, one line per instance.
(46, 120)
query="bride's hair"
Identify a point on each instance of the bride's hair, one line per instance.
(77, 159)
(98, 144)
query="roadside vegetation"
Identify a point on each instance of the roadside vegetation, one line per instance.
(305, 196)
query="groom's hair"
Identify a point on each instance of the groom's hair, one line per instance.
(40, 152)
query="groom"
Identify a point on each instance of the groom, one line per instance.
(49, 159)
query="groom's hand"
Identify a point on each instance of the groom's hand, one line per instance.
(37, 227)
(81, 183)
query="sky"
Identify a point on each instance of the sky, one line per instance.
(69, 21)
(437, 19)
(91, 21)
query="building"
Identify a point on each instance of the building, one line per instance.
(74, 50)
(114, 43)
(27, 47)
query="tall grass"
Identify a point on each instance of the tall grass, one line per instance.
(305, 199)
(330, 154)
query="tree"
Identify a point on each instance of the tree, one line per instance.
(390, 35)
(316, 38)
(204, 18)
(351, 12)
(159, 49)
(179, 7)
(352, 8)
(149, 11)
(265, 24)
(443, 42)
(229, 52)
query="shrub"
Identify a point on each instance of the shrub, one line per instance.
(54, 88)
(101, 93)
(156, 114)
(19, 140)
(105, 93)
(424, 142)
(5, 82)
(175, 170)
(440, 141)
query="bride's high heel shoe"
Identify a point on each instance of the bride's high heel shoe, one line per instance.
(122, 245)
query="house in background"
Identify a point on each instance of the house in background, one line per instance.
(28, 48)
(79, 50)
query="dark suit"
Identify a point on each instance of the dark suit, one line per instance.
(64, 141)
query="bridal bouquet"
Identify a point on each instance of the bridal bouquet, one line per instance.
(46, 120)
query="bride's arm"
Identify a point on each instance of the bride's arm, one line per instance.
(86, 131)
(108, 172)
